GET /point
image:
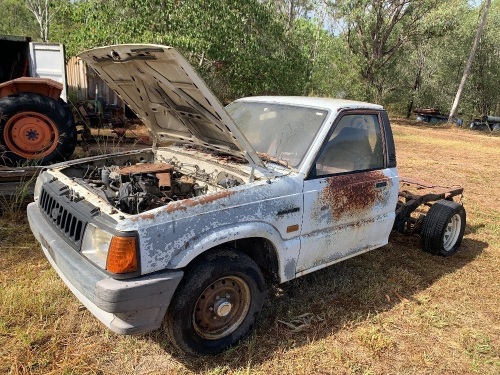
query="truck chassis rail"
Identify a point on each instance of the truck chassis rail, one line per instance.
(415, 193)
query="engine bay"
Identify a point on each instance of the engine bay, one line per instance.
(134, 188)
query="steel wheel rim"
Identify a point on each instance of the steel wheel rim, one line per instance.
(452, 232)
(221, 307)
(30, 135)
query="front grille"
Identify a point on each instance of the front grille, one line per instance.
(67, 222)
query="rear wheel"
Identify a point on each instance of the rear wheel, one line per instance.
(443, 228)
(216, 304)
(35, 127)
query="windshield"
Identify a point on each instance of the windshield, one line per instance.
(280, 131)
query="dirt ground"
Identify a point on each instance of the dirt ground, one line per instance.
(394, 310)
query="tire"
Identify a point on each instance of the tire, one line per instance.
(216, 304)
(443, 228)
(35, 127)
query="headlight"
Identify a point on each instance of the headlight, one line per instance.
(38, 185)
(115, 253)
(95, 245)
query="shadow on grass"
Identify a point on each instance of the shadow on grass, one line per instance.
(473, 228)
(322, 303)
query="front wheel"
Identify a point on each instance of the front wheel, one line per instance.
(216, 304)
(443, 228)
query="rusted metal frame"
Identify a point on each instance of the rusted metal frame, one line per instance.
(146, 168)
(420, 184)
(8, 174)
(415, 200)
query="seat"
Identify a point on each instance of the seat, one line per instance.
(349, 151)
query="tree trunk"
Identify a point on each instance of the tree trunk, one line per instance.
(416, 85)
(47, 21)
(480, 27)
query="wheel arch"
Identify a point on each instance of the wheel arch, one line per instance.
(263, 252)
(260, 241)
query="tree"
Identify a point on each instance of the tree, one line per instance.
(421, 72)
(376, 30)
(16, 19)
(468, 65)
(292, 9)
(481, 94)
(241, 47)
(400, 53)
(40, 9)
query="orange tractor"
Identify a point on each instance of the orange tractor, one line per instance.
(35, 122)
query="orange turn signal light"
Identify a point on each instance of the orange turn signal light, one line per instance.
(122, 255)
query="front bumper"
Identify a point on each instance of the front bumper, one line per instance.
(125, 306)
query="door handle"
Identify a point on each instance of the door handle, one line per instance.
(380, 184)
(288, 211)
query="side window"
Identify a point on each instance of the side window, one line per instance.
(355, 145)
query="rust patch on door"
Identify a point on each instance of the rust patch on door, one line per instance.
(353, 193)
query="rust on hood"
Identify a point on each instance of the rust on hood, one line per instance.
(205, 199)
(183, 205)
(345, 195)
(145, 216)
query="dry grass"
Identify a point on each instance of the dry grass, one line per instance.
(395, 310)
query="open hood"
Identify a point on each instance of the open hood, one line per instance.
(166, 93)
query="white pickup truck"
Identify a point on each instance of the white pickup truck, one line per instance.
(186, 235)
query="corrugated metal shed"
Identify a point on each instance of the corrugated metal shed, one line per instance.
(84, 83)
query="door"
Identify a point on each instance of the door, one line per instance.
(350, 194)
(47, 61)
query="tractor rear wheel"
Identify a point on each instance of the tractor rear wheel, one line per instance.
(35, 127)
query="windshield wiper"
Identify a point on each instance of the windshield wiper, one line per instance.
(272, 159)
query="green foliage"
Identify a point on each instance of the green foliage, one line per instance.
(16, 19)
(336, 70)
(376, 32)
(482, 95)
(442, 57)
(241, 47)
(242, 42)
(418, 72)
(401, 54)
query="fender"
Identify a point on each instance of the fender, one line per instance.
(287, 250)
(43, 86)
